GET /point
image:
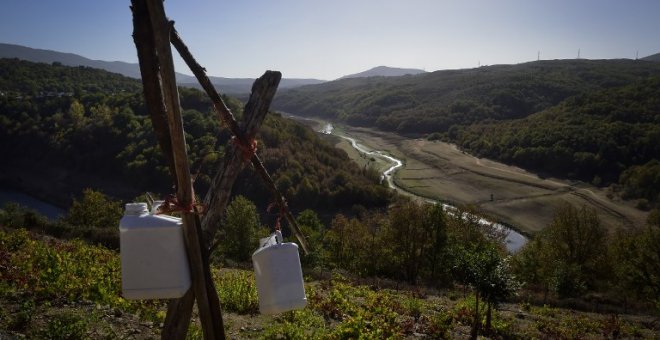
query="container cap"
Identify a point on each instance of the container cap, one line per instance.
(155, 205)
(136, 209)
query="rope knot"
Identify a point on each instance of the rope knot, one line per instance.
(280, 214)
(248, 149)
(172, 205)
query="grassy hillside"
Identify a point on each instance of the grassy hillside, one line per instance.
(98, 135)
(436, 101)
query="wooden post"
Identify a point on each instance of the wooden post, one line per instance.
(207, 299)
(148, 61)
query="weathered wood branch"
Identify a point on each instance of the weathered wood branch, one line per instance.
(149, 70)
(207, 299)
(217, 198)
(228, 118)
(148, 61)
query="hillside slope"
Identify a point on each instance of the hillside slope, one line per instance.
(98, 134)
(594, 137)
(652, 57)
(58, 289)
(436, 101)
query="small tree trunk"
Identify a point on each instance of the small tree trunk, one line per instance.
(488, 317)
(477, 321)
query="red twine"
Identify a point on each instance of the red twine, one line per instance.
(172, 205)
(279, 214)
(246, 150)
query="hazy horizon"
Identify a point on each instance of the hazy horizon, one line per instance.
(330, 40)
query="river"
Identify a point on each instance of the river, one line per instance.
(514, 240)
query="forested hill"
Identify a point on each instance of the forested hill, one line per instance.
(436, 101)
(603, 136)
(63, 129)
(36, 79)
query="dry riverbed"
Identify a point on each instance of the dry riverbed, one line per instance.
(517, 197)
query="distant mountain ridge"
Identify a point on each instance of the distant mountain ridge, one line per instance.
(69, 59)
(385, 71)
(225, 85)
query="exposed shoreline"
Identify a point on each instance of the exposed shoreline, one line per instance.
(518, 199)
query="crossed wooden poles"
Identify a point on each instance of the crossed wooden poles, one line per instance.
(152, 34)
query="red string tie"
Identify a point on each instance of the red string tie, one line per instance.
(172, 205)
(248, 149)
(279, 214)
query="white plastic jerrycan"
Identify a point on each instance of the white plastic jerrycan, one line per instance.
(278, 275)
(154, 264)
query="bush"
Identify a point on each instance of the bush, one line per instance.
(94, 210)
(13, 215)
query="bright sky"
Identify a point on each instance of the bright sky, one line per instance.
(327, 39)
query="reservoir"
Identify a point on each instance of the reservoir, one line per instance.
(44, 208)
(514, 240)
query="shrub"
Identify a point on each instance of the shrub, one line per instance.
(238, 292)
(65, 326)
(94, 210)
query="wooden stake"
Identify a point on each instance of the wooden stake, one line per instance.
(148, 61)
(211, 318)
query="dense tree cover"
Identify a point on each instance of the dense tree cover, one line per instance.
(21, 78)
(570, 255)
(436, 101)
(412, 241)
(103, 133)
(310, 172)
(574, 256)
(602, 137)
